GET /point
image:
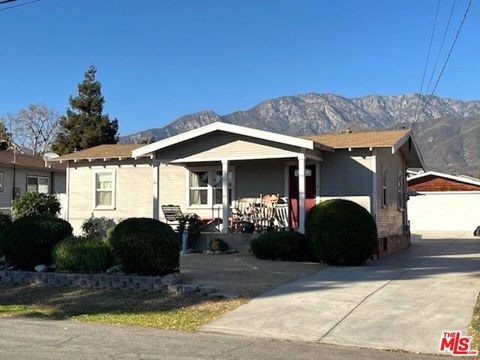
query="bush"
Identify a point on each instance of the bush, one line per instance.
(193, 223)
(36, 204)
(97, 227)
(341, 232)
(5, 221)
(146, 246)
(79, 254)
(218, 245)
(29, 240)
(284, 245)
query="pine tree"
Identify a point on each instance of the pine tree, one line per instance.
(85, 125)
(5, 137)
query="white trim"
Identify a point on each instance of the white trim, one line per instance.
(225, 204)
(156, 189)
(220, 126)
(445, 176)
(236, 158)
(2, 180)
(67, 191)
(301, 193)
(114, 189)
(374, 204)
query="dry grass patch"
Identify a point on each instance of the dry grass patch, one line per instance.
(165, 311)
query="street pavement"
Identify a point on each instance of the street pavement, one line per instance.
(37, 339)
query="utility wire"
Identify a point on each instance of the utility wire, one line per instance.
(441, 45)
(430, 46)
(426, 62)
(15, 6)
(448, 56)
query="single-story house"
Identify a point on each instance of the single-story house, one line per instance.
(442, 202)
(20, 173)
(204, 170)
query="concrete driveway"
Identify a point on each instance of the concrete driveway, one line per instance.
(402, 302)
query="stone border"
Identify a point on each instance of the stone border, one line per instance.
(92, 281)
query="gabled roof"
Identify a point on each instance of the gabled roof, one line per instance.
(108, 151)
(9, 159)
(347, 140)
(462, 179)
(234, 129)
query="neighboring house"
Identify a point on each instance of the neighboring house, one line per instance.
(20, 173)
(204, 169)
(442, 202)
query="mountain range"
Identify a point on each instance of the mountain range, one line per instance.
(447, 130)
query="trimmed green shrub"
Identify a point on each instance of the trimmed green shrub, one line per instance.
(29, 240)
(146, 246)
(97, 227)
(5, 221)
(341, 232)
(79, 254)
(218, 245)
(282, 245)
(35, 204)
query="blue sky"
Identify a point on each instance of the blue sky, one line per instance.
(158, 60)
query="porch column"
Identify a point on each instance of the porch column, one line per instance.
(301, 193)
(225, 204)
(317, 182)
(156, 191)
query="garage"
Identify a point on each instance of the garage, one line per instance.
(442, 202)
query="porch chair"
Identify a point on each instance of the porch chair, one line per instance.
(172, 213)
(282, 212)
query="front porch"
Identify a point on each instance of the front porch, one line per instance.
(251, 194)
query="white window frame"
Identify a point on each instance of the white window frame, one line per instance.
(210, 189)
(38, 177)
(114, 189)
(384, 182)
(2, 179)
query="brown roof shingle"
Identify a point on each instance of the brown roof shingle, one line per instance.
(7, 158)
(386, 138)
(107, 151)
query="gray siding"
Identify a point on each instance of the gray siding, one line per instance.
(259, 177)
(6, 194)
(390, 219)
(347, 175)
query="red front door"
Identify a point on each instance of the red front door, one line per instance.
(309, 192)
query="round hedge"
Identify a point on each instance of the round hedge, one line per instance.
(29, 241)
(146, 246)
(282, 245)
(82, 254)
(341, 232)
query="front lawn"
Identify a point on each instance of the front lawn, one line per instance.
(475, 325)
(166, 311)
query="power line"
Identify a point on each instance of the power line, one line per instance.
(430, 46)
(426, 62)
(15, 6)
(448, 56)
(441, 45)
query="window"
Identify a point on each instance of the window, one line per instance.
(104, 190)
(400, 194)
(205, 187)
(384, 187)
(199, 187)
(1, 181)
(38, 184)
(217, 187)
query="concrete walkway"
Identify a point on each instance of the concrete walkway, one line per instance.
(402, 302)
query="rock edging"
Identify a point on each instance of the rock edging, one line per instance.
(92, 281)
